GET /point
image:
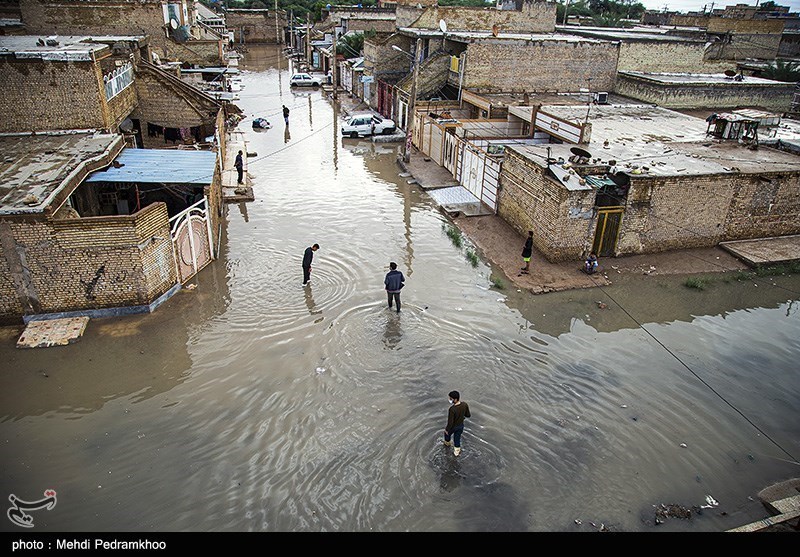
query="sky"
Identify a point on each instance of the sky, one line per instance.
(697, 5)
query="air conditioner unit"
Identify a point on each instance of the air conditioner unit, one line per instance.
(601, 98)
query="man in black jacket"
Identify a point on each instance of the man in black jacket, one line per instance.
(394, 282)
(308, 256)
(455, 421)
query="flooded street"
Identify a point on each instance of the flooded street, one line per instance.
(252, 403)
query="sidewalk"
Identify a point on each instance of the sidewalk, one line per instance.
(232, 191)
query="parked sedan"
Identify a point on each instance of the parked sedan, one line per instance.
(362, 125)
(304, 80)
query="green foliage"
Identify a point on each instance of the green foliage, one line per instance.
(497, 282)
(609, 20)
(782, 70)
(604, 13)
(454, 234)
(696, 282)
(472, 257)
(350, 45)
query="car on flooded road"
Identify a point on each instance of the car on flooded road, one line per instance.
(304, 80)
(362, 125)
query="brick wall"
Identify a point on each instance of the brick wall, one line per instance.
(661, 213)
(99, 17)
(88, 263)
(121, 106)
(161, 104)
(201, 53)
(775, 96)
(535, 17)
(658, 56)
(405, 16)
(255, 26)
(529, 200)
(504, 66)
(745, 26)
(432, 75)
(377, 25)
(43, 95)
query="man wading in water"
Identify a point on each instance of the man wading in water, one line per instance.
(455, 421)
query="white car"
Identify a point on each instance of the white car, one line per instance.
(304, 80)
(362, 125)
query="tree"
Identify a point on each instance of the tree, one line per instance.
(781, 70)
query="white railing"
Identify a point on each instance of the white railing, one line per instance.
(118, 80)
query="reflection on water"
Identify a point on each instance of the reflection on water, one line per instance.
(254, 403)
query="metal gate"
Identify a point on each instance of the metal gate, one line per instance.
(607, 231)
(385, 99)
(191, 239)
(479, 172)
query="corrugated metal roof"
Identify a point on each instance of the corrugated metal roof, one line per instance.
(159, 166)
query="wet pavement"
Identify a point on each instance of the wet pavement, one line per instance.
(252, 403)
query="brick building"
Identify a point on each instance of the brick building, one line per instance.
(67, 246)
(257, 25)
(651, 180)
(171, 25)
(99, 83)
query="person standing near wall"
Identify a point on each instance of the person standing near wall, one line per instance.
(527, 251)
(239, 164)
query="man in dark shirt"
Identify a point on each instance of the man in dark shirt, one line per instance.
(286, 114)
(394, 282)
(527, 251)
(239, 164)
(455, 421)
(308, 256)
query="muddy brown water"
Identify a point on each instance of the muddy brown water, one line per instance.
(253, 404)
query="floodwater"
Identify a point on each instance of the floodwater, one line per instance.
(251, 403)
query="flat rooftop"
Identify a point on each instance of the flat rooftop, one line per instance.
(625, 35)
(467, 36)
(82, 48)
(702, 79)
(36, 167)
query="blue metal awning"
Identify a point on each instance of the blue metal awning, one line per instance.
(159, 166)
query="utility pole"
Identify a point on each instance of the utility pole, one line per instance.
(411, 102)
(333, 64)
(291, 30)
(308, 39)
(277, 27)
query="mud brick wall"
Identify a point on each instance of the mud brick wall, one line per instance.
(201, 53)
(160, 106)
(41, 95)
(679, 57)
(562, 220)
(741, 46)
(377, 25)
(89, 263)
(700, 211)
(255, 26)
(535, 17)
(121, 106)
(540, 66)
(746, 26)
(771, 96)
(99, 17)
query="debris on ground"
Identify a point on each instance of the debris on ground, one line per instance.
(663, 512)
(601, 305)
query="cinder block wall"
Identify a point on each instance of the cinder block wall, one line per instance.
(529, 200)
(540, 66)
(88, 263)
(41, 95)
(202, 53)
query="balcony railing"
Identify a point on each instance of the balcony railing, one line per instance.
(118, 80)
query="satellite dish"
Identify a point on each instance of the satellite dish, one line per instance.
(173, 23)
(581, 152)
(730, 73)
(443, 26)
